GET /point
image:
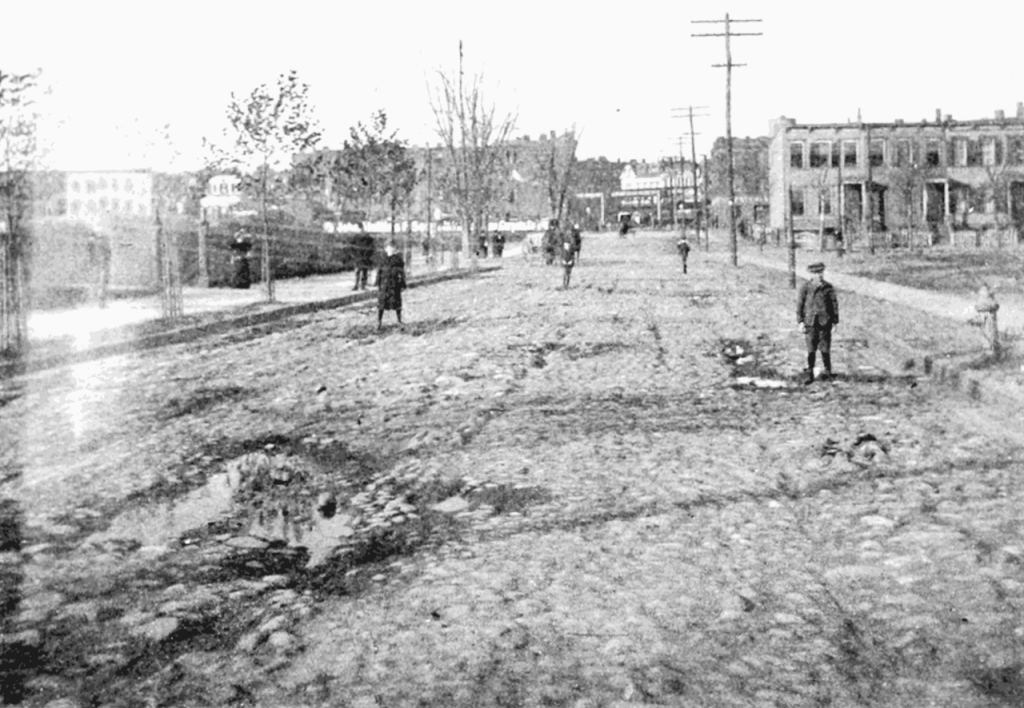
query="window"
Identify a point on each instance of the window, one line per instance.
(796, 202)
(128, 185)
(128, 206)
(796, 154)
(903, 156)
(933, 150)
(959, 152)
(76, 187)
(104, 204)
(115, 204)
(1015, 150)
(991, 151)
(999, 200)
(974, 153)
(90, 186)
(876, 153)
(113, 183)
(76, 206)
(836, 148)
(91, 206)
(819, 154)
(849, 153)
(102, 184)
(825, 202)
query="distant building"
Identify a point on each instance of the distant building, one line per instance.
(657, 193)
(223, 195)
(942, 176)
(751, 180)
(126, 192)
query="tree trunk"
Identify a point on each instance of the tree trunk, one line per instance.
(268, 278)
(13, 305)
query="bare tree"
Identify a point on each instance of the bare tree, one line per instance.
(265, 129)
(557, 166)
(20, 153)
(473, 137)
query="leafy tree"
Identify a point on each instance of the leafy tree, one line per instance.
(265, 129)
(20, 153)
(473, 137)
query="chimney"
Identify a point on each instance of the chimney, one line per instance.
(1000, 115)
(938, 115)
(1020, 110)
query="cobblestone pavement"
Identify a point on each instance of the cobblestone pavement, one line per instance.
(618, 494)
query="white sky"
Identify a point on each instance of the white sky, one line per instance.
(616, 70)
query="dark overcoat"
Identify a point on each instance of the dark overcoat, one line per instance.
(816, 304)
(363, 248)
(391, 282)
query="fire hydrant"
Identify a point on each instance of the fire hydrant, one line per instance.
(987, 307)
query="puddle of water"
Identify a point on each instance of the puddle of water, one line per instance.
(761, 383)
(318, 535)
(163, 524)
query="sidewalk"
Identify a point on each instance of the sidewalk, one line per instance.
(959, 309)
(980, 384)
(77, 334)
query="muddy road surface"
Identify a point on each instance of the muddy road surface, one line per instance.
(617, 494)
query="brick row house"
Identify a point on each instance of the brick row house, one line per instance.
(938, 177)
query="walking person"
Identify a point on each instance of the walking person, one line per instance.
(568, 257)
(552, 237)
(577, 240)
(683, 247)
(362, 251)
(390, 283)
(817, 312)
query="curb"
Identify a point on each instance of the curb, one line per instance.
(131, 343)
(956, 374)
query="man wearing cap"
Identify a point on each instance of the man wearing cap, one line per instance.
(817, 312)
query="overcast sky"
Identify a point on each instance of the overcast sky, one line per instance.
(616, 70)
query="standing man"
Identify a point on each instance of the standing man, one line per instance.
(577, 240)
(552, 237)
(390, 283)
(362, 248)
(684, 250)
(568, 261)
(817, 312)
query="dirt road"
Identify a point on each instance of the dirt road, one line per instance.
(618, 494)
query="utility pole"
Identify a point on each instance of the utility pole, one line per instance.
(703, 211)
(728, 34)
(699, 210)
(430, 206)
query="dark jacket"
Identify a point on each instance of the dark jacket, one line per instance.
(391, 282)
(817, 304)
(684, 248)
(363, 247)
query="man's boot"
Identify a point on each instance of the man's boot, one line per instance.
(810, 368)
(826, 360)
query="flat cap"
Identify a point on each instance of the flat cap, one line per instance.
(816, 268)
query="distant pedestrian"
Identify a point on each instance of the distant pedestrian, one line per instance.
(499, 244)
(241, 248)
(568, 259)
(817, 312)
(683, 246)
(363, 248)
(577, 240)
(481, 249)
(390, 283)
(552, 241)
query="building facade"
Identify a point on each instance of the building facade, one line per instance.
(655, 194)
(751, 181)
(939, 176)
(92, 194)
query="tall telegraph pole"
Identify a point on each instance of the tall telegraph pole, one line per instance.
(693, 163)
(728, 34)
